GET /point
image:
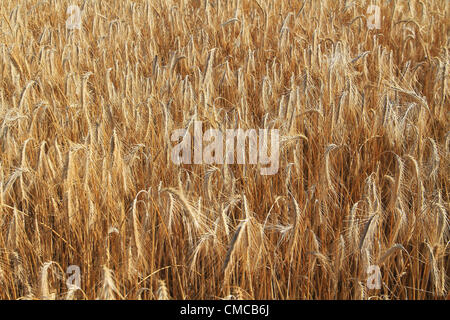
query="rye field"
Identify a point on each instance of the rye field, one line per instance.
(93, 205)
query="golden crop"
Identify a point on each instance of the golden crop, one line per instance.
(86, 177)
